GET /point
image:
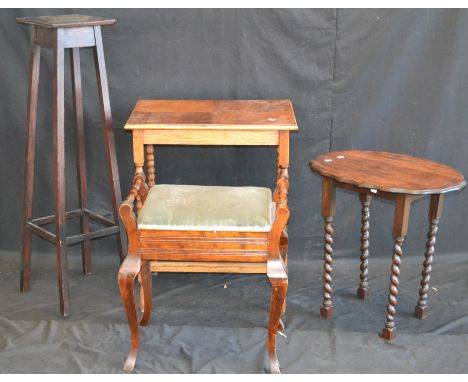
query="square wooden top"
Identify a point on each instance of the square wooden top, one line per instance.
(213, 114)
(65, 21)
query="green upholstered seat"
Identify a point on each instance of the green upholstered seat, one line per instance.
(207, 208)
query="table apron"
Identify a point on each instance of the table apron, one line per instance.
(211, 137)
(377, 193)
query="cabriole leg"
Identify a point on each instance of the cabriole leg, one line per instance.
(127, 291)
(146, 285)
(284, 243)
(278, 296)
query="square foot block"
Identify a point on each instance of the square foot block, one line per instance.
(327, 313)
(420, 313)
(387, 334)
(362, 293)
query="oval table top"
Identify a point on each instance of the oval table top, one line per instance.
(390, 172)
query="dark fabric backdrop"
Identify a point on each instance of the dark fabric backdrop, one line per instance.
(390, 80)
(359, 79)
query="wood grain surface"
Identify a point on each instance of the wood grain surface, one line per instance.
(383, 171)
(65, 21)
(213, 114)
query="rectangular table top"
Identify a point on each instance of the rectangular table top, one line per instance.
(65, 21)
(213, 114)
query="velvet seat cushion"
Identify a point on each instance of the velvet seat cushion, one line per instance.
(207, 208)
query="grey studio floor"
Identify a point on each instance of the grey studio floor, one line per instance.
(199, 326)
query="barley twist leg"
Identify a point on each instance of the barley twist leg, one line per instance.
(363, 289)
(387, 332)
(326, 311)
(421, 307)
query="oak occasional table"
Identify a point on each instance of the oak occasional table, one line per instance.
(211, 229)
(397, 177)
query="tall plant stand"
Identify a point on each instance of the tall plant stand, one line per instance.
(59, 33)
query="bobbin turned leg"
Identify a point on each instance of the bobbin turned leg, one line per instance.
(400, 229)
(80, 156)
(435, 212)
(59, 174)
(29, 165)
(109, 142)
(328, 211)
(363, 289)
(150, 171)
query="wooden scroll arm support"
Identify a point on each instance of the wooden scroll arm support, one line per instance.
(127, 273)
(131, 266)
(277, 271)
(280, 196)
(139, 189)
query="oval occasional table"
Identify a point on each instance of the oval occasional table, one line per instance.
(397, 177)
